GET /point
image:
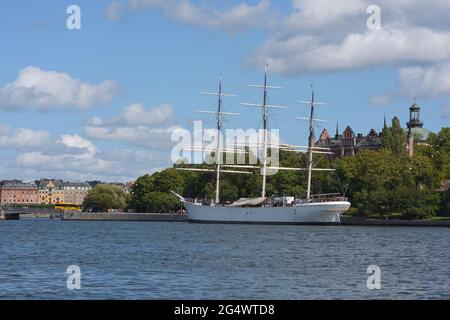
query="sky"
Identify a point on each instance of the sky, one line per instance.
(102, 101)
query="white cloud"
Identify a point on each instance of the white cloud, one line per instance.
(142, 4)
(136, 115)
(138, 136)
(135, 125)
(75, 141)
(425, 81)
(33, 154)
(86, 163)
(108, 165)
(62, 162)
(114, 10)
(95, 121)
(303, 53)
(50, 89)
(241, 17)
(319, 14)
(234, 19)
(22, 138)
(324, 36)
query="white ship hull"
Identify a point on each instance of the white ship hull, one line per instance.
(305, 213)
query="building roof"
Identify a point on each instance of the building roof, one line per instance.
(324, 135)
(16, 184)
(44, 182)
(76, 184)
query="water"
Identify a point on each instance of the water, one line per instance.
(152, 260)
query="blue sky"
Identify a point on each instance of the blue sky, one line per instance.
(157, 56)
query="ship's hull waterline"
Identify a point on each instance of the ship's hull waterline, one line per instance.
(305, 213)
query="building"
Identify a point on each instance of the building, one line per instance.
(15, 192)
(414, 128)
(75, 192)
(51, 191)
(348, 143)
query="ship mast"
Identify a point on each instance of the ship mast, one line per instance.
(265, 120)
(219, 130)
(218, 149)
(311, 147)
(266, 108)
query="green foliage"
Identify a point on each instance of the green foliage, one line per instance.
(103, 197)
(156, 201)
(394, 138)
(151, 193)
(420, 203)
(440, 151)
(386, 136)
(382, 182)
(444, 209)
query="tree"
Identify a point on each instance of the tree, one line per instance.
(151, 193)
(440, 151)
(382, 182)
(398, 145)
(420, 203)
(166, 180)
(386, 136)
(160, 202)
(104, 197)
(394, 138)
(444, 209)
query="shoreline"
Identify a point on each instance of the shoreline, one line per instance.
(165, 217)
(359, 221)
(104, 216)
(169, 217)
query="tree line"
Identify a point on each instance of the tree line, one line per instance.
(379, 183)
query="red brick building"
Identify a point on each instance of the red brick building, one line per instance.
(18, 192)
(348, 143)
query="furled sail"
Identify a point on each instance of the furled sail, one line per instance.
(249, 202)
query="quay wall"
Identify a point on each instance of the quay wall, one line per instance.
(101, 216)
(356, 221)
(167, 217)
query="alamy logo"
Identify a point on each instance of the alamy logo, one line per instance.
(74, 277)
(238, 146)
(374, 280)
(73, 22)
(374, 20)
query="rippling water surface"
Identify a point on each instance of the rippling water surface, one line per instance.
(152, 260)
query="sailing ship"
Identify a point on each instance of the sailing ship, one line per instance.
(314, 209)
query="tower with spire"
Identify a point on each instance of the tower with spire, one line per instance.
(414, 122)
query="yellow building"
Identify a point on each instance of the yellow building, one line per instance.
(51, 191)
(59, 192)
